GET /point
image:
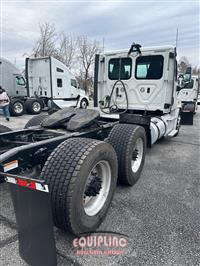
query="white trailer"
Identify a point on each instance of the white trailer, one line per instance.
(50, 80)
(189, 94)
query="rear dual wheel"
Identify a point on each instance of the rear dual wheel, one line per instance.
(16, 107)
(82, 175)
(129, 142)
(33, 106)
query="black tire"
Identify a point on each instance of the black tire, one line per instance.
(33, 106)
(16, 107)
(4, 129)
(123, 138)
(84, 103)
(66, 172)
(35, 121)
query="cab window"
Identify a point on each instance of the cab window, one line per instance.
(149, 67)
(189, 85)
(20, 81)
(59, 70)
(59, 83)
(119, 68)
(73, 83)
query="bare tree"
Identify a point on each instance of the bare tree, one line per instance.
(67, 49)
(87, 50)
(45, 45)
(183, 64)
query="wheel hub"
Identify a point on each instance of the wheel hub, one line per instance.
(94, 187)
(137, 155)
(18, 107)
(97, 188)
(36, 107)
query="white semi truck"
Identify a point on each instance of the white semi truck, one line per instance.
(189, 94)
(79, 155)
(12, 80)
(143, 83)
(53, 82)
(48, 83)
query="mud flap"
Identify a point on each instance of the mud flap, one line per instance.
(187, 118)
(31, 201)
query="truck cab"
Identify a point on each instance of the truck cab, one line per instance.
(188, 95)
(52, 81)
(147, 79)
(11, 79)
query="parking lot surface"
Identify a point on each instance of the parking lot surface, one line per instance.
(160, 213)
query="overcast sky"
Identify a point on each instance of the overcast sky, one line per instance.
(118, 22)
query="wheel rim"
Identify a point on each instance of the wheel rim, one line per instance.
(137, 155)
(93, 204)
(36, 107)
(18, 108)
(83, 104)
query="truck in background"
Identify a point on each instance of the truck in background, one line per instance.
(12, 80)
(51, 81)
(189, 94)
(48, 84)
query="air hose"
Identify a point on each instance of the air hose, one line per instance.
(114, 109)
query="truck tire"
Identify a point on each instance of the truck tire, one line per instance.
(129, 142)
(35, 121)
(33, 106)
(84, 103)
(16, 107)
(4, 129)
(82, 176)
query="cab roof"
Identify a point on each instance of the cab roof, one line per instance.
(164, 48)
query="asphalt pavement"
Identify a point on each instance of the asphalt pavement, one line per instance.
(160, 214)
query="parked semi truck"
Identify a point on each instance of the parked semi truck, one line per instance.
(189, 94)
(69, 162)
(12, 80)
(53, 82)
(48, 83)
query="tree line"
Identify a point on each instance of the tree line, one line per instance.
(184, 63)
(78, 53)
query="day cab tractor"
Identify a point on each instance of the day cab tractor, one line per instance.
(79, 155)
(189, 92)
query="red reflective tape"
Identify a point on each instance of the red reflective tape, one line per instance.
(24, 183)
(32, 185)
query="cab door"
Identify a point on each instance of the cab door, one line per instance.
(74, 88)
(19, 86)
